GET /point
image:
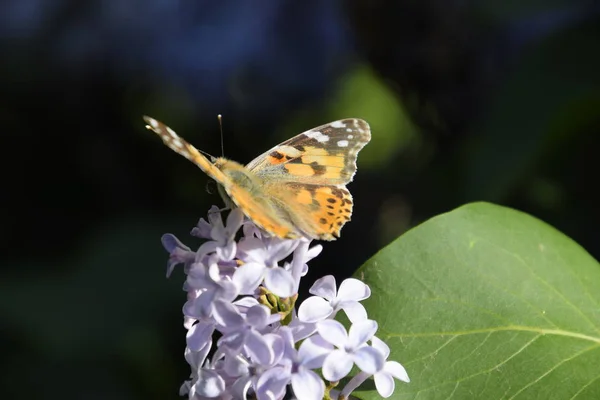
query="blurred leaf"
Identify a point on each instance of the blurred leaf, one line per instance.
(362, 94)
(487, 302)
(550, 96)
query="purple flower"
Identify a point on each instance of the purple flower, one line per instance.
(205, 380)
(199, 336)
(178, 252)
(263, 353)
(384, 377)
(351, 348)
(205, 286)
(223, 236)
(328, 301)
(306, 384)
(245, 332)
(261, 262)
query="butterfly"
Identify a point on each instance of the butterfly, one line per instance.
(296, 189)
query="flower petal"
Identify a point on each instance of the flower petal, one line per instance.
(196, 358)
(258, 348)
(252, 249)
(272, 384)
(313, 351)
(202, 229)
(233, 340)
(226, 315)
(200, 307)
(214, 273)
(313, 252)
(354, 310)
(333, 332)
(215, 219)
(353, 289)
(298, 266)
(384, 383)
(380, 346)
(280, 282)
(227, 251)
(360, 332)
(314, 309)
(206, 248)
(170, 243)
(280, 249)
(301, 330)
(248, 277)
(368, 359)
(185, 388)
(277, 345)
(307, 385)
(199, 335)
(234, 221)
(285, 333)
(240, 387)
(324, 287)
(235, 367)
(251, 230)
(209, 384)
(337, 365)
(244, 303)
(257, 316)
(396, 370)
(228, 291)
(178, 252)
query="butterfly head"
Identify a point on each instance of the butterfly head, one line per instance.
(220, 162)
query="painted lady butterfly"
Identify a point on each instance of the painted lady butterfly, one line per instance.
(296, 189)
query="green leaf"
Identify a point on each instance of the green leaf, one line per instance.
(486, 302)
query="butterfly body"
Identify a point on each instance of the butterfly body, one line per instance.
(296, 189)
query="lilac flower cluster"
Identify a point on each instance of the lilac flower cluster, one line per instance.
(243, 293)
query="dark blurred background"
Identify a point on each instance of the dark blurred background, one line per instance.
(467, 100)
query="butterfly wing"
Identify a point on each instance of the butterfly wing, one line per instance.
(180, 146)
(324, 155)
(240, 186)
(308, 174)
(319, 211)
(295, 189)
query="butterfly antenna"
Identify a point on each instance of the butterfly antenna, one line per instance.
(210, 156)
(220, 118)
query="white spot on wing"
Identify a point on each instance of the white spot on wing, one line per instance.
(289, 151)
(350, 137)
(172, 133)
(337, 124)
(342, 143)
(318, 136)
(348, 130)
(153, 122)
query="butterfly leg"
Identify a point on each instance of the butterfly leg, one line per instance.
(220, 210)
